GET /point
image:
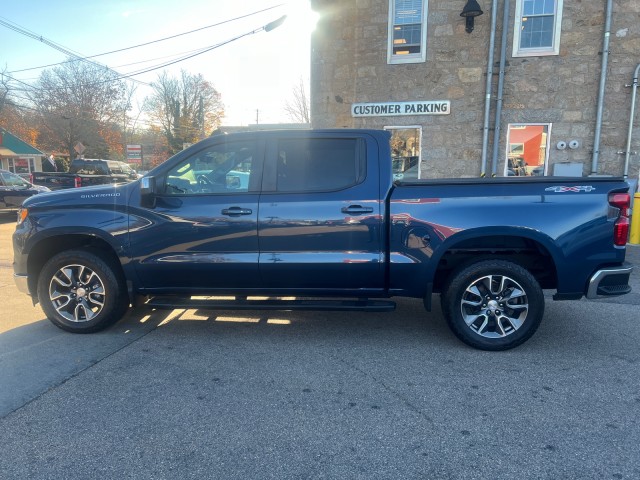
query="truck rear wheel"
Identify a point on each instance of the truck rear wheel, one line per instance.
(493, 304)
(80, 292)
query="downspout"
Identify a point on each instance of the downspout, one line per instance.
(503, 58)
(487, 101)
(627, 153)
(603, 81)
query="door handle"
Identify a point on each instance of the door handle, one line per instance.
(236, 211)
(356, 210)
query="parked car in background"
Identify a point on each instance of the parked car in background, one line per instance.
(14, 189)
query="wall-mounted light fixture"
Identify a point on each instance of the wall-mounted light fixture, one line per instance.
(470, 11)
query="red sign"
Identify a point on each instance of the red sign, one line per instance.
(134, 153)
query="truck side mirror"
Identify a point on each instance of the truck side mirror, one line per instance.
(148, 192)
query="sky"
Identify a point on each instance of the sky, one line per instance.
(255, 75)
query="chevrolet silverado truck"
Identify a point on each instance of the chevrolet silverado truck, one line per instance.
(85, 172)
(312, 219)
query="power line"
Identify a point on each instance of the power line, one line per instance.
(23, 31)
(17, 28)
(269, 26)
(208, 49)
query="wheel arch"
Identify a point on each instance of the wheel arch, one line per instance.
(533, 251)
(46, 247)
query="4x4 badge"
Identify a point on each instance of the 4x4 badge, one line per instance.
(582, 188)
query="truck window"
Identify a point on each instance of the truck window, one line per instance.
(319, 164)
(116, 168)
(89, 167)
(12, 180)
(224, 168)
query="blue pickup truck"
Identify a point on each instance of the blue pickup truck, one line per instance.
(316, 216)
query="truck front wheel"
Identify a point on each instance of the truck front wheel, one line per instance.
(493, 304)
(80, 292)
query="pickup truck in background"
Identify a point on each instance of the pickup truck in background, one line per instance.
(85, 173)
(316, 216)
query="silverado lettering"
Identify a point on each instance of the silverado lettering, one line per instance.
(100, 195)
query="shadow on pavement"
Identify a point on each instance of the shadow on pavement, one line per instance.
(39, 356)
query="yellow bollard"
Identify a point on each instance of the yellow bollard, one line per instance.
(634, 236)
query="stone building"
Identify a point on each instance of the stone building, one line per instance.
(417, 68)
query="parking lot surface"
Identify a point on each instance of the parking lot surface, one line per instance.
(204, 394)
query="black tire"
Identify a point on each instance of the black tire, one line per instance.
(81, 292)
(493, 304)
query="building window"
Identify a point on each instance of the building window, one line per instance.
(21, 166)
(537, 27)
(407, 31)
(405, 152)
(527, 149)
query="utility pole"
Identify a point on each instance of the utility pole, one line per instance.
(201, 117)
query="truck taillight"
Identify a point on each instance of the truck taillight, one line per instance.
(78, 182)
(621, 201)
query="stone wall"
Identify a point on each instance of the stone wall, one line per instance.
(349, 65)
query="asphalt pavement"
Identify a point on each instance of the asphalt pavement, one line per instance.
(202, 394)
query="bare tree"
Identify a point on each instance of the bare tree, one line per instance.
(4, 91)
(80, 102)
(298, 108)
(15, 115)
(4, 88)
(186, 108)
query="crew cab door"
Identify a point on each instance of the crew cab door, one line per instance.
(320, 224)
(201, 234)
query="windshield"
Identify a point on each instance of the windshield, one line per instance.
(13, 180)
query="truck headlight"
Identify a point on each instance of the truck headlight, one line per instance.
(22, 215)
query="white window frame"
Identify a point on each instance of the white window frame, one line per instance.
(411, 127)
(412, 57)
(517, 126)
(554, 49)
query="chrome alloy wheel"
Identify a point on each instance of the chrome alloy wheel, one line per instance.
(494, 306)
(77, 293)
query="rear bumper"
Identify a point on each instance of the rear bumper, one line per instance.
(610, 282)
